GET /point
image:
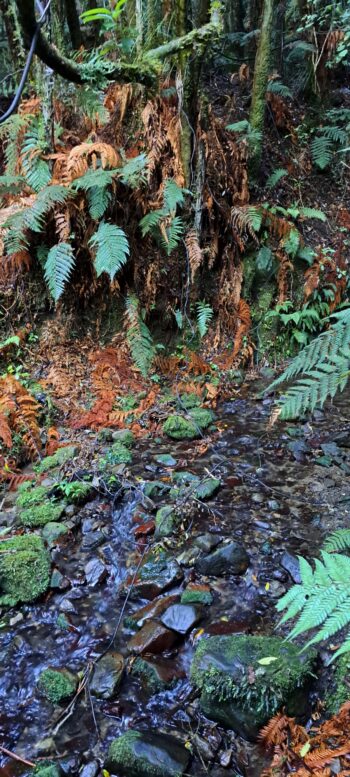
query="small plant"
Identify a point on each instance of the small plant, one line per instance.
(204, 317)
(162, 223)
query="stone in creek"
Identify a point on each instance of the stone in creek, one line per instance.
(95, 571)
(90, 769)
(181, 617)
(107, 675)
(152, 638)
(52, 531)
(158, 572)
(165, 521)
(156, 675)
(166, 459)
(197, 594)
(152, 610)
(147, 754)
(291, 565)
(58, 580)
(92, 540)
(274, 672)
(207, 541)
(231, 559)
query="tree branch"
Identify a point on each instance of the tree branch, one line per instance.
(143, 72)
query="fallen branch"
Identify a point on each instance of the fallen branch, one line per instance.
(16, 757)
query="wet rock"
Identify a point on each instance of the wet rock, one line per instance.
(181, 617)
(185, 477)
(197, 594)
(225, 758)
(16, 619)
(153, 488)
(124, 436)
(90, 769)
(57, 685)
(107, 675)
(203, 748)
(230, 559)
(95, 572)
(188, 556)
(155, 675)
(92, 540)
(166, 459)
(207, 542)
(52, 531)
(274, 672)
(24, 570)
(152, 610)
(207, 488)
(153, 637)
(58, 580)
(165, 521)
(158, 572)
(178, 428)
(147, 754)
(69, 765)
(291, 565)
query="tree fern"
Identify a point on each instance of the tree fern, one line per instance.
(58, 267)
(173, 196)
(138, 336)
(324, 366)
(276, 87)
(173, 234)
(112, 249)
(133, 173)
(321, 600)
(337, 541)
(151, 221)
(204, 317)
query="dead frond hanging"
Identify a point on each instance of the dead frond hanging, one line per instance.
(91, 155)
(194, 251)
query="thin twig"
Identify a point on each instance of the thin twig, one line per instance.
(16, 757)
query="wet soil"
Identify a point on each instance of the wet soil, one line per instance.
(282, 491)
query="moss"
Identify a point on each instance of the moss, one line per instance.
(149, 674)
(201, 417)
(147, 754)
(24, 569)
(75, 492)
(340, 686)
(29, 495)
(124, 437)
(39, 515)
(178, 428)
(229, 669)
(188, 401)
(57, 684)
(59, 458)
(196, 597)
(118, 454)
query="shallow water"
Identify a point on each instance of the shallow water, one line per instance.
(273, 499)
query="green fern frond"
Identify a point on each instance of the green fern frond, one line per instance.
(92, 179)
(275, 177)
(337, 541)
(173, 196)
(58, 267)
(174, 233)
(35, 168)
(11, 184)
(324, 365)
(322, 599)
(133, 173)
(47, 199)
(204, 317)
(321, 151)
(90, 103)
(313, 213)
(10, 132)
(112, 249)
(138, 336)
(276, 87)
(151, 221)
(336, 134)
(98, 201)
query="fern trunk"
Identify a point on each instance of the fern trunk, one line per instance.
(8, 13)
(261, 74)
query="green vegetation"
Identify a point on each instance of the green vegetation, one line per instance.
(24, 569)
(57, 685)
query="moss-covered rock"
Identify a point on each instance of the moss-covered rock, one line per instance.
(189, 401)
(147, 754)
(155, 677)
(29, 494)
(207, 488)
(197, 594)
(52, 531)
(41, 514)
(24, 569)
(244, 680)
(165, 521)
(339, 692)
(178, 428)
(201, 417)
(117, 454)
(59, 458)
(124, 437)
(158, 572)
(57, 685)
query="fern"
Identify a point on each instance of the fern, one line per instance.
(321, 151)
(36, 170)
(10, 132)
(33, 219)
(275, 177)
(112, 249)
(204, 317)
(313, 213)
(337, 541)
(138, 336)
(324, 365)
(276, 87)
(174, 233)
(58, 267)
(245, 129)
(321, 600)
(151, 221)
(11, 184)
(173, 196)
(133, 173)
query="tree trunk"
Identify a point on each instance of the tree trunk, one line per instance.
(153, 19)
(16, 51)
(73, 23)
(261, 73)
